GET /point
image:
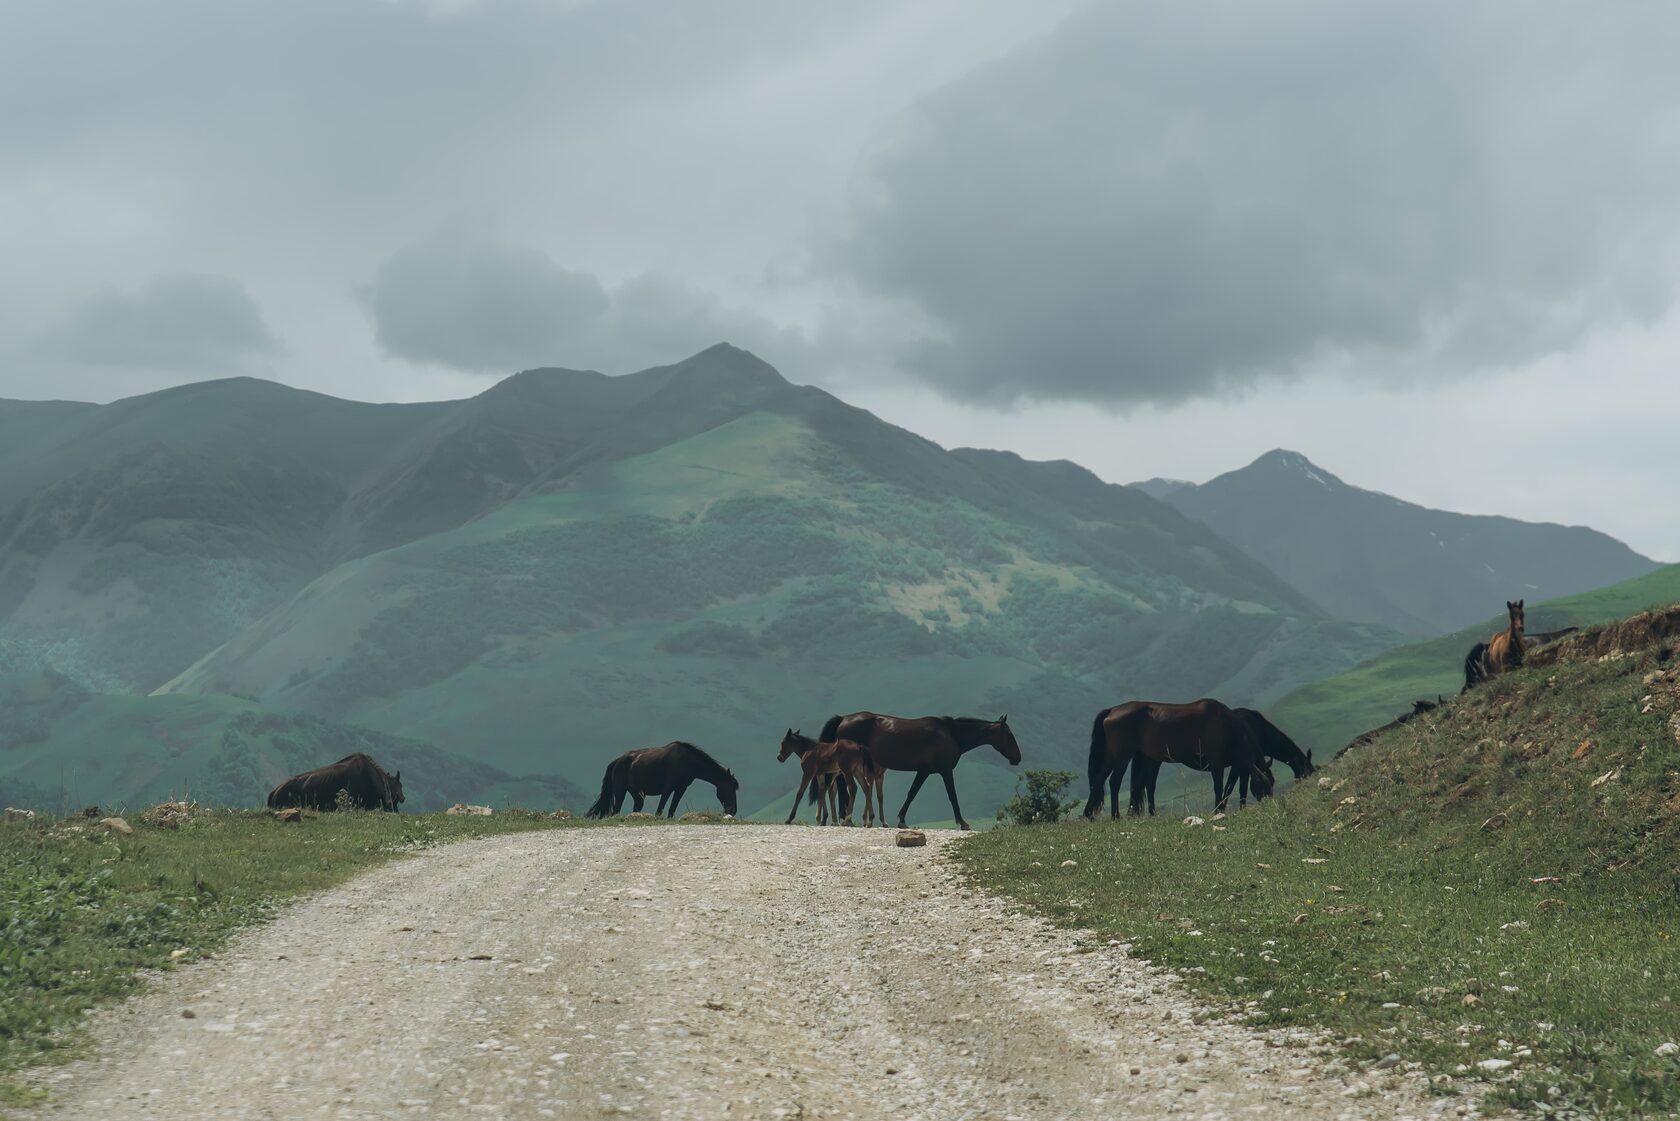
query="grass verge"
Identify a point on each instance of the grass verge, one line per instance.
(83, 909)
(1490, 893)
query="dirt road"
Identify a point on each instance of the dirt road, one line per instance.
(682, 972)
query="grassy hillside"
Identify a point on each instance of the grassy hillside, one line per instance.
(1366, 556)
(62, 747)
(1326, 714)
(1481, 902)
(770, 571)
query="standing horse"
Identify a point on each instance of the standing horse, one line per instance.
(666, 771)
(1273, 744)
(1500, 654)
(924, 744)
(841, 763)
(1203, 735)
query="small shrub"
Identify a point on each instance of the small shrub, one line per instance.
(344, 803)
(1045, 799)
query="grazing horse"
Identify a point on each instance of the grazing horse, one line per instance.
(367, 784)
(841, 760)
(924, 744)
(1273, 744)
(1204, 735)
(666, 771)
(1500, 654)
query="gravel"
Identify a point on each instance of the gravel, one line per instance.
(686, 972)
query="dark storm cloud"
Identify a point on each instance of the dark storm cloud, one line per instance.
(177, 322)
(473, 302)
(1160, 200)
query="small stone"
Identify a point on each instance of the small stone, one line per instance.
(910, 838)
(1181, 1057)
(1669, 1048)
(188, 1014)
(288, 815)
(472, 811)
(1070, 864)
(1387, 1062)
(1496, 1064)
(1193, 820)
(177, 955)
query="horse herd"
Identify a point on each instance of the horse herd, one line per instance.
(853, 753)
(1235, 746)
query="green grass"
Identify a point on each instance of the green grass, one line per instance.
(1325, 715)
(1403, 875)
(84, 909)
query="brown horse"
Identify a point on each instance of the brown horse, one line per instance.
(666, 771)
(368, 786)
(924, 744)
(1273, 745)
(1500, 654)
(841, 764)
(1203, 735)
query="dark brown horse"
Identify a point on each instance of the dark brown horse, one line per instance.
(666, 771)
(1203, 735)
(368, 786)
(826, 766)
(924, 744)
(1500, 654)
(1273, 745)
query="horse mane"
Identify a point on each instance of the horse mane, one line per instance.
(716, 767)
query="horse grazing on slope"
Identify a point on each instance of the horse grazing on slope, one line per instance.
(1500, 654)
(1203, 735)
(1273, 745)
(368, 785)
(924, 744)
(826, 766)
(666, 771)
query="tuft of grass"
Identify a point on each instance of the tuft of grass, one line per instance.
(1476, 885)
(83, 909)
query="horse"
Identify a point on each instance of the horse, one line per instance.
(1204, 735)
(924, 744)
(367, 784)
(666, 771)
(1500, 654)
(843, 760)
(1273, 745)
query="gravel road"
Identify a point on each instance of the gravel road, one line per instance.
(685, 972)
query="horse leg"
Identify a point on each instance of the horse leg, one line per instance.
(951, 790)
(921, 777)
(1098, 776)
(659, 810)
(851, 799)
(804, 781)
(676, 796)
(1219, 795)
(640, 801)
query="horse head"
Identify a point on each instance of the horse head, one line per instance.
(394, 792)
(791, 744)
(727, 791)
(1515, 610)
(1003, 738)
(1261, 781)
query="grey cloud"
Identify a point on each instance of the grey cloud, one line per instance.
(177, 322)
(477, 303)
(1157, 202)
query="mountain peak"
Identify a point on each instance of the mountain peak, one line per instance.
(1283, 461)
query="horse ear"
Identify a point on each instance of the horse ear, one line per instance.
(1004, 719)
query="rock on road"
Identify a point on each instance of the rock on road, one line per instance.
(738, 971)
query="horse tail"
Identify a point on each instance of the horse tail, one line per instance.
(1473, 670)
(1099, 747)
(816, 790)
(830, 730)
(603, 804)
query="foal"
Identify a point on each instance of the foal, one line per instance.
(827, 765)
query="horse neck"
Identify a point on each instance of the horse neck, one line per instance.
(971, 733)
(705, 767)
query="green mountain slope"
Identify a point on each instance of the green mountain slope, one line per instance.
(62, 747)
(748, 555)
(1370, 557)
(1326, 714)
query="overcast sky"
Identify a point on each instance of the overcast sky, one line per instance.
(1433, 246)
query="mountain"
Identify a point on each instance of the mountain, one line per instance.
(1325, 715)
(1367, 557)
(569, 564)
